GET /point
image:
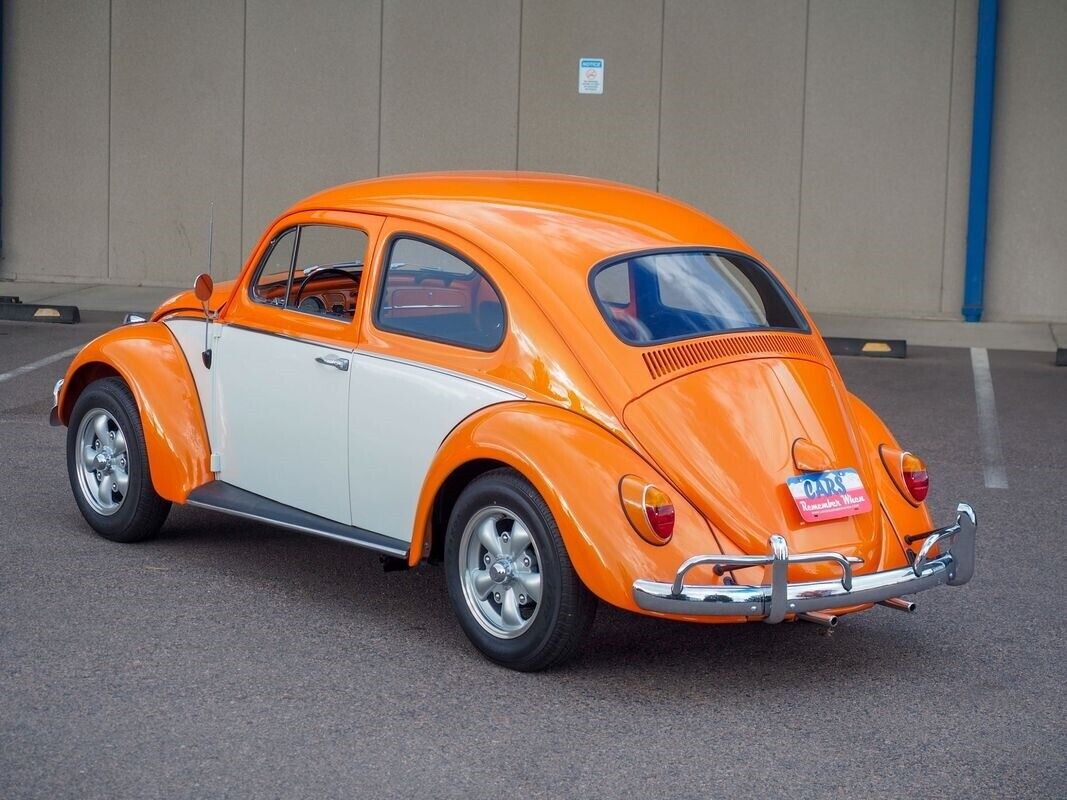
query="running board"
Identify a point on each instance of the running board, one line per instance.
(227, 498)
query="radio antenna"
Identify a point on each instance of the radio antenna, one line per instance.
(205, 299)
(210, 235)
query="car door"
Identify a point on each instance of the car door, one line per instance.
(282, 366)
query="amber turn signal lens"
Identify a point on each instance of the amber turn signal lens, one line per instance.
(648, 508)
(915, 476)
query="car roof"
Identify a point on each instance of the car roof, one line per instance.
(555, 223)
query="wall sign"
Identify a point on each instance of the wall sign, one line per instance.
(590, 76)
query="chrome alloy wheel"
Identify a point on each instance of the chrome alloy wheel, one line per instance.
(501, 572)
(103, 463)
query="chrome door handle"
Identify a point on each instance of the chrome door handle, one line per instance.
(334, 361)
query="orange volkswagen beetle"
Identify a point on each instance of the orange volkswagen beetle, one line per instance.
(563, 389)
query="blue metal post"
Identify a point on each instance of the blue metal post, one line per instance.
(981, 140)
(1, 118)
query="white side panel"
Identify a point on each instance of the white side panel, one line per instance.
(401, 412)
(190, 335)
(283, 421)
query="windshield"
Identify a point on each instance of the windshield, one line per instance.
(659, 297)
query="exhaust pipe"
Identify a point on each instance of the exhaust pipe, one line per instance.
(899, 604)
(819, 618)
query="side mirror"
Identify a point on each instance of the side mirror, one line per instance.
(203, 286)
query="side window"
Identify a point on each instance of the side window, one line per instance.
(324, 276)
(431, 293)
(329, 270)
(272, 279)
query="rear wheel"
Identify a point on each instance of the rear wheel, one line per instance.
(107, 464)
(510, 580)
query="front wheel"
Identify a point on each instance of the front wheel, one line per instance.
(509, 577)
(107, 464)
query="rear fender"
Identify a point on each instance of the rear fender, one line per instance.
(576, 466)
(904, 518)
(149, 360)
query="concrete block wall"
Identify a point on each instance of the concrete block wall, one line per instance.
(1027, 276)
(834, 135)
(55, 138)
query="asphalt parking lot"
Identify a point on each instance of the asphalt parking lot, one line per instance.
(230, 659)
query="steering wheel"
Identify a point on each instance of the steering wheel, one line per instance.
(355, 278)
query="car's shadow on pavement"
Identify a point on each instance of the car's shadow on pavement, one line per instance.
(345, 589)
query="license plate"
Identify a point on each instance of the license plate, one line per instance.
(826, 495)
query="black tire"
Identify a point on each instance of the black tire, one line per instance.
(140, 512)
(566, 608)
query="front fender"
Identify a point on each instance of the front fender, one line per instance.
(149, 360)
(576, 466)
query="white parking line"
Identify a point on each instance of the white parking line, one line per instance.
(988, 432)
(43, 362)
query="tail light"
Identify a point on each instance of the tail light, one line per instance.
(908, 472)
(915, 476)
(648, 508)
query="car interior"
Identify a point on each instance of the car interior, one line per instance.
(432, 293)
(463, 309)
(328, 289)
(428, 292)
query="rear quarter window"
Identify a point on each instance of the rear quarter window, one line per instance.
(432, 293)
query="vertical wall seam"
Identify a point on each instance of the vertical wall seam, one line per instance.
(803, 127)
(948, 158)
(659, 113)
(518, 99)
(244, 133)
(110, 82)
(381, 77)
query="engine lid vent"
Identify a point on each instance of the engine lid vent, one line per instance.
(686, 355)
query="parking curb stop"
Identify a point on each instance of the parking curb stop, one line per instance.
(873, 348)
(13, 310)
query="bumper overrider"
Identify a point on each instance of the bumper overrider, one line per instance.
(772, 603)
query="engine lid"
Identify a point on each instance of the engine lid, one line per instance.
(731, 436)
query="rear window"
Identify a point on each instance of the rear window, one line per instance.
(660, 297)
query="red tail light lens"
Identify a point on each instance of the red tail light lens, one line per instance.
(908, 472)
(649, 509)
(915, 476)
(660, 513)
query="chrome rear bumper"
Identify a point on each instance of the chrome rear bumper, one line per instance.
(954, 566)
(53, 415)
